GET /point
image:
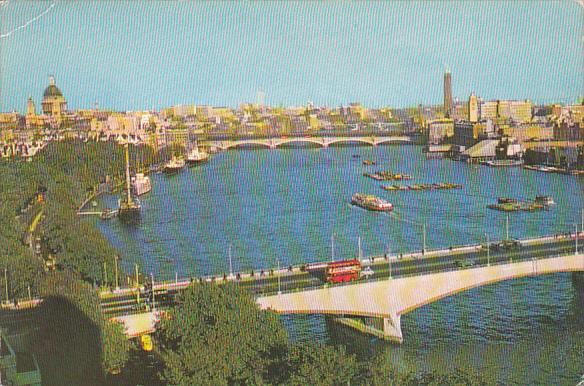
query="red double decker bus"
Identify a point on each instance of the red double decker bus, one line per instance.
(342, 271)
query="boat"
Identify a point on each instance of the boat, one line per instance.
(128, 207)
(389, 187)
(506, 200)
(107, 213)
(371, 202)
(196, 156)
(544, 200)
(174, 165)
(369, 162)
(503, 162)
(141, 184)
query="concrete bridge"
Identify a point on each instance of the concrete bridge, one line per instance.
(273, 143)
(389, 299)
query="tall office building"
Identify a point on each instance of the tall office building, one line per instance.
(447, 94)
(473, 108)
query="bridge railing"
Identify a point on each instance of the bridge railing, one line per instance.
(372, 260)
(412, 274)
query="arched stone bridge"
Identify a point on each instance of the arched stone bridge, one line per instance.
(273, 143)
(390, 298)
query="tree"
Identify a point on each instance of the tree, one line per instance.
(217, 335)
(116, 346)
(313, 364)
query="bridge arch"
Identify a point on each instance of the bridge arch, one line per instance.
(286, 141)
(385, 141)
(349, 140)
(247, 143)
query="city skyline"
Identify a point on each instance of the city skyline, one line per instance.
(378, 54)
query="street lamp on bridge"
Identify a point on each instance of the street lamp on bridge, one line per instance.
(279, 285)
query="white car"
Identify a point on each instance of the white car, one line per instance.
(367, 272)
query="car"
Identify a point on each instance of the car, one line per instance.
(464, 263)
(367, 272)
(506, 245)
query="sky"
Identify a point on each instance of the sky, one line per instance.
(132, 55)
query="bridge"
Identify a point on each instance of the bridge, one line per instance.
(273, 143)
(389, 299)
(399, 285)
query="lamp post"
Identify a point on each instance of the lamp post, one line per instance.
(230, 263)
(488, 250)
(279, 284)
(576, 235)
(424, 239)
(389, 261)
(116, 272)
(6, 282)
(153, 299)
(105, 273)
(332, 247)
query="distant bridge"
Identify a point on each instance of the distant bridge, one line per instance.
(273, 143)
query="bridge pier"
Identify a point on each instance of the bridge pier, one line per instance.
(392, 328)
(382, 328)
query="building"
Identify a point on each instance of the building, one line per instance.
(54, 102)
(447, 94)
(467, 134)
(520, 111)
(488, 110)
(440, 131)
(17, 367)
(473, 108)
(530, 132)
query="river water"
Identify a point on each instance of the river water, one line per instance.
(293, 205)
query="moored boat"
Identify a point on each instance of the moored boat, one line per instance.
(371, 202)
(141, 184)
(128, 207)
(174, 165)
(196, 156)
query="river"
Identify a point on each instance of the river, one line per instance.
(292, 204)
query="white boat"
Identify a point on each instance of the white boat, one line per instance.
(196, 156)
(545, 200)
(174, 165)
(141, 184)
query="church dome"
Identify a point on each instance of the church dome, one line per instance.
(52, 90)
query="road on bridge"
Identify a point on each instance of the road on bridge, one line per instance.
(130, 303)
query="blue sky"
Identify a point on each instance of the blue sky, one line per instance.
(132, 55)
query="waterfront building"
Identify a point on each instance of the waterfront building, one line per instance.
(447, 94)
(440, 130)
(468, 133)
(460, 111)
(473, 108)
(520, 111)
(488, 110)
(530, 131)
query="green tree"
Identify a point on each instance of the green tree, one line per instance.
(313, 364)
(116, 346)
(217, 335)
